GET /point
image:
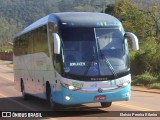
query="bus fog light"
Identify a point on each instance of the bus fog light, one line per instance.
(127, 94)
(71, 87)
(67, 98)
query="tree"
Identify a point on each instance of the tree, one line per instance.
(144, 22)
(133, 19)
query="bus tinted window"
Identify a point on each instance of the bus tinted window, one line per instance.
(32, 42)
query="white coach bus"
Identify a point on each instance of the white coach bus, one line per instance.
(74, 58)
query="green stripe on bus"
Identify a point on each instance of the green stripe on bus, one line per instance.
(111, 82)
(115, 82)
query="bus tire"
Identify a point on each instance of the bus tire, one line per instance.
(24, 95)
(54, 106)
(106, 104)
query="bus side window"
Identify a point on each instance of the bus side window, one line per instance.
(51, 30)
(25, 45)
(57, 63)
(40, 43)
(20, 46)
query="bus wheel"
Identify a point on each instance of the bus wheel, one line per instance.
(24, 95)
(106, 104)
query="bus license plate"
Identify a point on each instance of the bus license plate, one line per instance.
(102, 97)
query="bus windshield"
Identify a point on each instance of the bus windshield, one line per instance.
(93, 51)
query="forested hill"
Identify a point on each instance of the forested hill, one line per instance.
(17, 14)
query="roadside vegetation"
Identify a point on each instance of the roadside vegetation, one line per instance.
(144, 21)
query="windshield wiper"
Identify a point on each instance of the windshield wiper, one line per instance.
(104, 57)
(108, 64)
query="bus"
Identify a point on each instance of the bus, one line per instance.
(74, 58)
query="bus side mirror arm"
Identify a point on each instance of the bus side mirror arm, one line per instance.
(133, 37)
(56, 43)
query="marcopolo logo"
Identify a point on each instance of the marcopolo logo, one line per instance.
(100, 90)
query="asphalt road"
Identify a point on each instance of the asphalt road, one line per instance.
(11, 100)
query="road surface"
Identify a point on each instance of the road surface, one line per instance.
(11, 100)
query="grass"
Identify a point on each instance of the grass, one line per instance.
(1, 60)
(148, 80)
(154, 86)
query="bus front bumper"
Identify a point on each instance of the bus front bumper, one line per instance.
(70, 97)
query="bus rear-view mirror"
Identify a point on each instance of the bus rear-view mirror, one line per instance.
(56, 43)
(133, 37)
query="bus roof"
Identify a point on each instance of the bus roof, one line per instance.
(75, 19)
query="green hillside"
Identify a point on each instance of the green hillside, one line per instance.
(17, 14)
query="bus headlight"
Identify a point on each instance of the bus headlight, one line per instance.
(124, 84)
(71, 87)
(127, 94)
